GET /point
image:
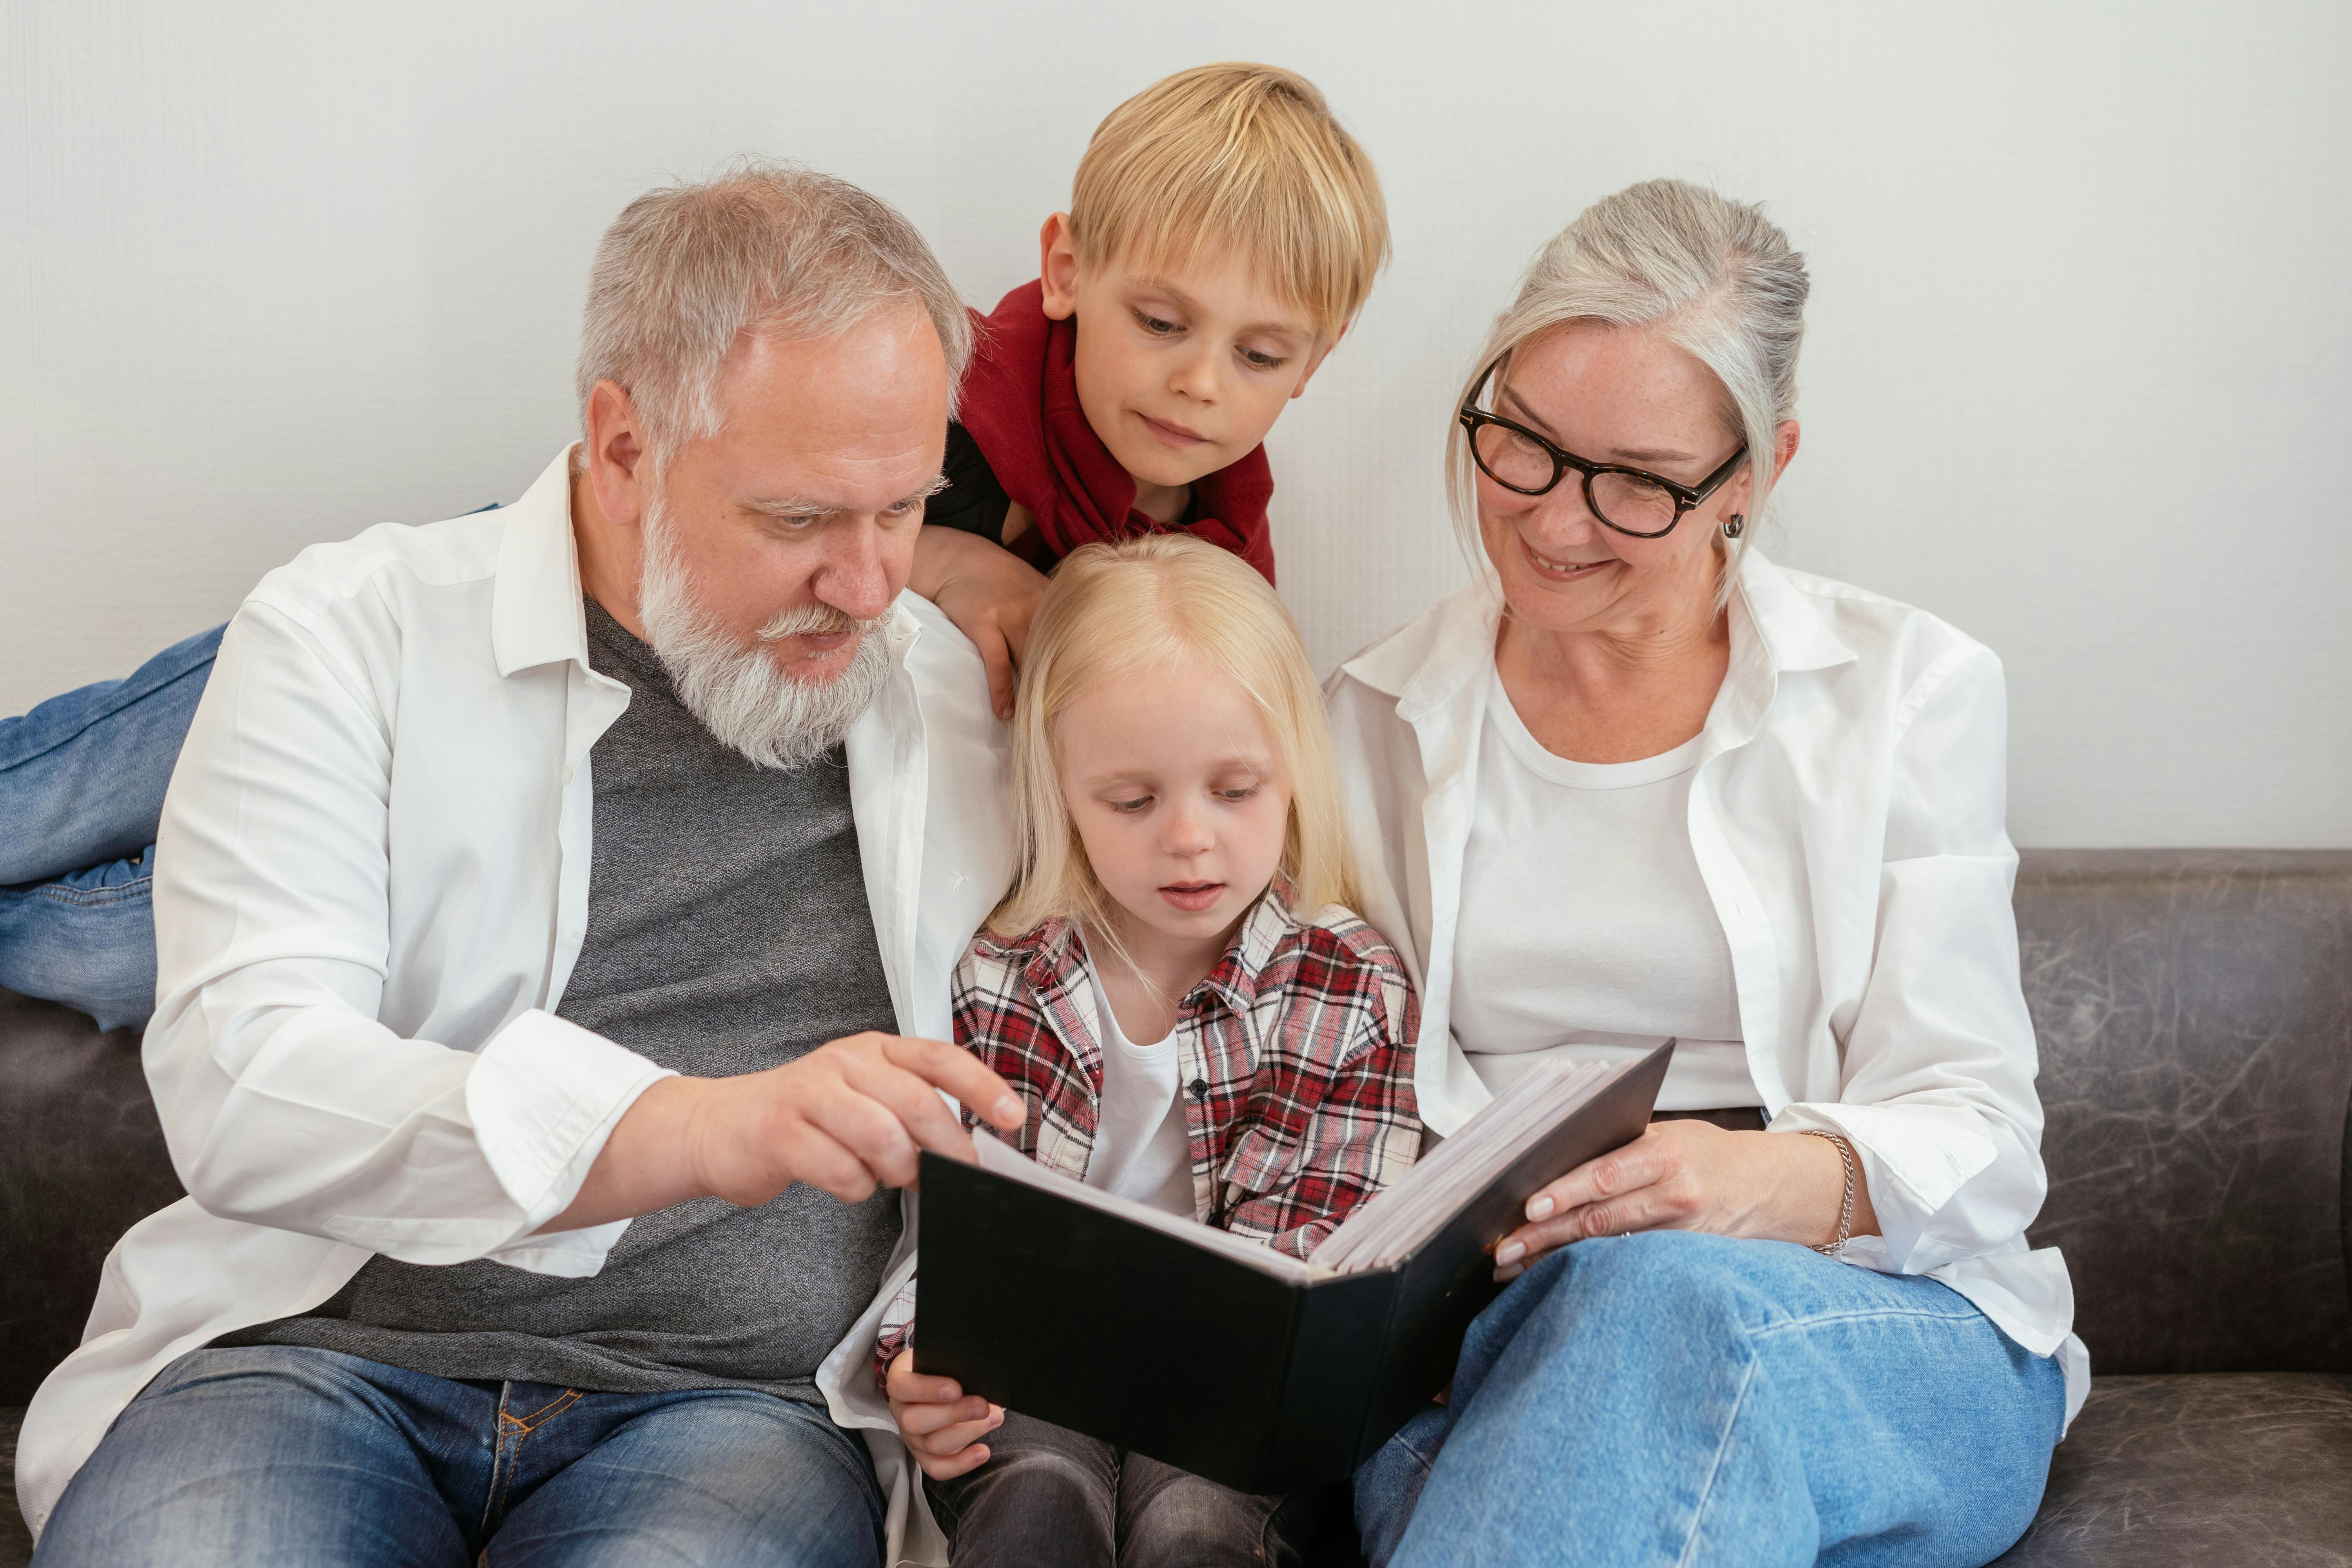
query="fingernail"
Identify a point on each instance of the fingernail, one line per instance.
(1510, 1252)
(1008, 1110)
(1539, 1208)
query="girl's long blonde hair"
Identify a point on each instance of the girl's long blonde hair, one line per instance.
(1114, 609)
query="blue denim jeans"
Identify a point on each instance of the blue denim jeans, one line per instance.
(81, 789)
(1671, 1397)
(310, 1458)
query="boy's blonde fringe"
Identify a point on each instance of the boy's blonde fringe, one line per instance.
(1247, 156)
(1112, 610)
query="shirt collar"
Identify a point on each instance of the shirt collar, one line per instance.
(535, 613)
(1793, 634)
(1776, 629)
(1430, 659)
(1057, 957)
(1262, 932)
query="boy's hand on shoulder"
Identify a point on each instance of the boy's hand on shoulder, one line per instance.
(941, 1426)
(988, 591)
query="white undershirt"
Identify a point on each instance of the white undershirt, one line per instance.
(1586, 932)
(1143, 1149)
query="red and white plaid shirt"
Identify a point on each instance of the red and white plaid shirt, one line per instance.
(1294, 1062)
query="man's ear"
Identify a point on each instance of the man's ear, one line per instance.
(1057, 267)
(1315, 358)
(617, 470)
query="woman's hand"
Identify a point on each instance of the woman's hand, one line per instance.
(1693, 1176)
(940, 1427)
(988, 591)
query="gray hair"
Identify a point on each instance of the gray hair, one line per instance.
(688, 269)
(1713, 276)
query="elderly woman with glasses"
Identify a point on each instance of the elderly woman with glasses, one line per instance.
(1637, 784)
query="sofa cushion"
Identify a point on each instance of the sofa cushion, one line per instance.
(2195, 1014)
(2200, 1468)
(81, 1160)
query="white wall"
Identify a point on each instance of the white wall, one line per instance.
(2077, 378)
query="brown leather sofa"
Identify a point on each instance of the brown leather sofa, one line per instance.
(2195, 1009)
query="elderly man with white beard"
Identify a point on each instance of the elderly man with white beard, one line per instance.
(555, 911)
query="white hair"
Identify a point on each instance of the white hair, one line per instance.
(1713, 276)
(741, 693)
(687, 270)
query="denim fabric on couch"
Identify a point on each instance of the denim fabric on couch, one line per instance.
(2195, 1009)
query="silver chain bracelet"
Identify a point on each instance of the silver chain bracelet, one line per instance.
(1846, 1210)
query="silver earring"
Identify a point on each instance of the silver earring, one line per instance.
(1731, 529)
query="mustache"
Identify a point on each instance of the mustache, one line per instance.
(812, 620)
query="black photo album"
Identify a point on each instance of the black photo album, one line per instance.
(1215, 1354)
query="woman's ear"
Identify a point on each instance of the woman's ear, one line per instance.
(1739, 495)
(1784, 449)
(1057, 268)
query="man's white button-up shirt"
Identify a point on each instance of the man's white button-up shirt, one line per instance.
(371, 883)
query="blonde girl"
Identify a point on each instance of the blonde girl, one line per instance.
(1178, 989)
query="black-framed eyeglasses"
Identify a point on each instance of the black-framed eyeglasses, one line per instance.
(1633, 501)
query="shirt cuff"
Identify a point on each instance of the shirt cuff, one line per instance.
(544, 1097)
(1914, 1161)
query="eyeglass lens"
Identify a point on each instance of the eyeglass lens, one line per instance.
(1623, 501)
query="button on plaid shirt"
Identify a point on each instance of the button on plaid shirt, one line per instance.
(1295, 1065)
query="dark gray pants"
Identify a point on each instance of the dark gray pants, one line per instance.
(1048, 1497)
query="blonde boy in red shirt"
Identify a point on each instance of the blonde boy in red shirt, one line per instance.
(1223, 232)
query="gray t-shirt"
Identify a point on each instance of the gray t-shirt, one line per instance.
(727, 931)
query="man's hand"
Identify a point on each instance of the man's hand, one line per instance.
(941, 1429)
(988, 591)
(847, 1117)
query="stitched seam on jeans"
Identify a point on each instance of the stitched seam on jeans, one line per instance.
(120, 708)
(1706, 1489)
(506, 1483)
(545, 1412)
(87, 897)
(524, 1426)
(502, 1458)
(1876, 1314)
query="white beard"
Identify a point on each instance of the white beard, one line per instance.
(741, 694)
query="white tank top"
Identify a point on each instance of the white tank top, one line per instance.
(1586, 932)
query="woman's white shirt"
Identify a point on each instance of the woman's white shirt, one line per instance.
(1143, 1149)
(1846, 815)
(1586, 933)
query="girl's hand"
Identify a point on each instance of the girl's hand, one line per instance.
(988, 591)
(940, 1427)
(1693, 1176)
